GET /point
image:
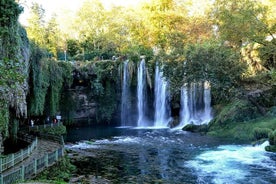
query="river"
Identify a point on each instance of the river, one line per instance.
(130, 155)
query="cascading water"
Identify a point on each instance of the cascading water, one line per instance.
(184, 102)
(141, 94)
(125, 105)
(162, 112)
(195, 104)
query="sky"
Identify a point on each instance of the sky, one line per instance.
(60, 6)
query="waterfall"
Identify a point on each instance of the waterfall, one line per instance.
(141, 94)
(125, 98)
(162, 112)
(195, 104)
(207, 102)
(184, 102)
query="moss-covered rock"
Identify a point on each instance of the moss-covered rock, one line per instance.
(196, 128)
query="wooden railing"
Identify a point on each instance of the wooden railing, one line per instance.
(31, 169)
(37, 165)
(12, 159)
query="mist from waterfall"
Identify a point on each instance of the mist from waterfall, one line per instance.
(141, 94)
(125, 98)
(161, 104)
(195, 104)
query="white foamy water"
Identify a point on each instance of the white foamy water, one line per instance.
(99, 143)
(83, 145)
(234, 164)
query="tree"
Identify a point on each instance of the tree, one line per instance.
(52, 37)
(36, 27)
(241, 21)
(163, 24)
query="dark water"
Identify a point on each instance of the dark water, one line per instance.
(125, 155)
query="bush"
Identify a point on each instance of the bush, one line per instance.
(54, 130)
(236, 111)
(272, 138)
(60, 172)
(272, 142)
(261, 133)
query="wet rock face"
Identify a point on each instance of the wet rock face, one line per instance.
(85, 106)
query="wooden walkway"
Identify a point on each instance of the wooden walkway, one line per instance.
(46, 154)
(43, 147)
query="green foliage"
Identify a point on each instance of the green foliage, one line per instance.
(12, 67)
(211, 62)
(9, 74)
(46, 35)
(4, 118)
(39, 78)
(272, 138)
(55, 130)
(240, 21)
(217, 64)
(48, 78)
(238, 120)
(73, 47)
(268, 55)
(107, 103)
(261, 133)
(10, 11)
(104, 86)
(59, 173)
(35, 30)
(236, 111)
(174, 71)
(272, 142)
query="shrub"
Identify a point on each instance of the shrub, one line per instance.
(272, 138)
(60, 172)
(261, 133)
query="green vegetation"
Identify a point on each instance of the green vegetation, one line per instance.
(13, 66)
(105, 86)
(272, 141)
(48, 79)
(59, 173)
(243, 130)
(52, 130)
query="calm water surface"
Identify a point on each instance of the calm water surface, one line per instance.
(129, 155)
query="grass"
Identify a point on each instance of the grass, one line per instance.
(242, 130)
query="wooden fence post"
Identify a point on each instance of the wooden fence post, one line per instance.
(1, 179)
(62, 141)
(1, 167)
(46, 160)
(22, 172)
(35, 166)
(56, 155)
(22, 156)
(12, 159)
(29, 152)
